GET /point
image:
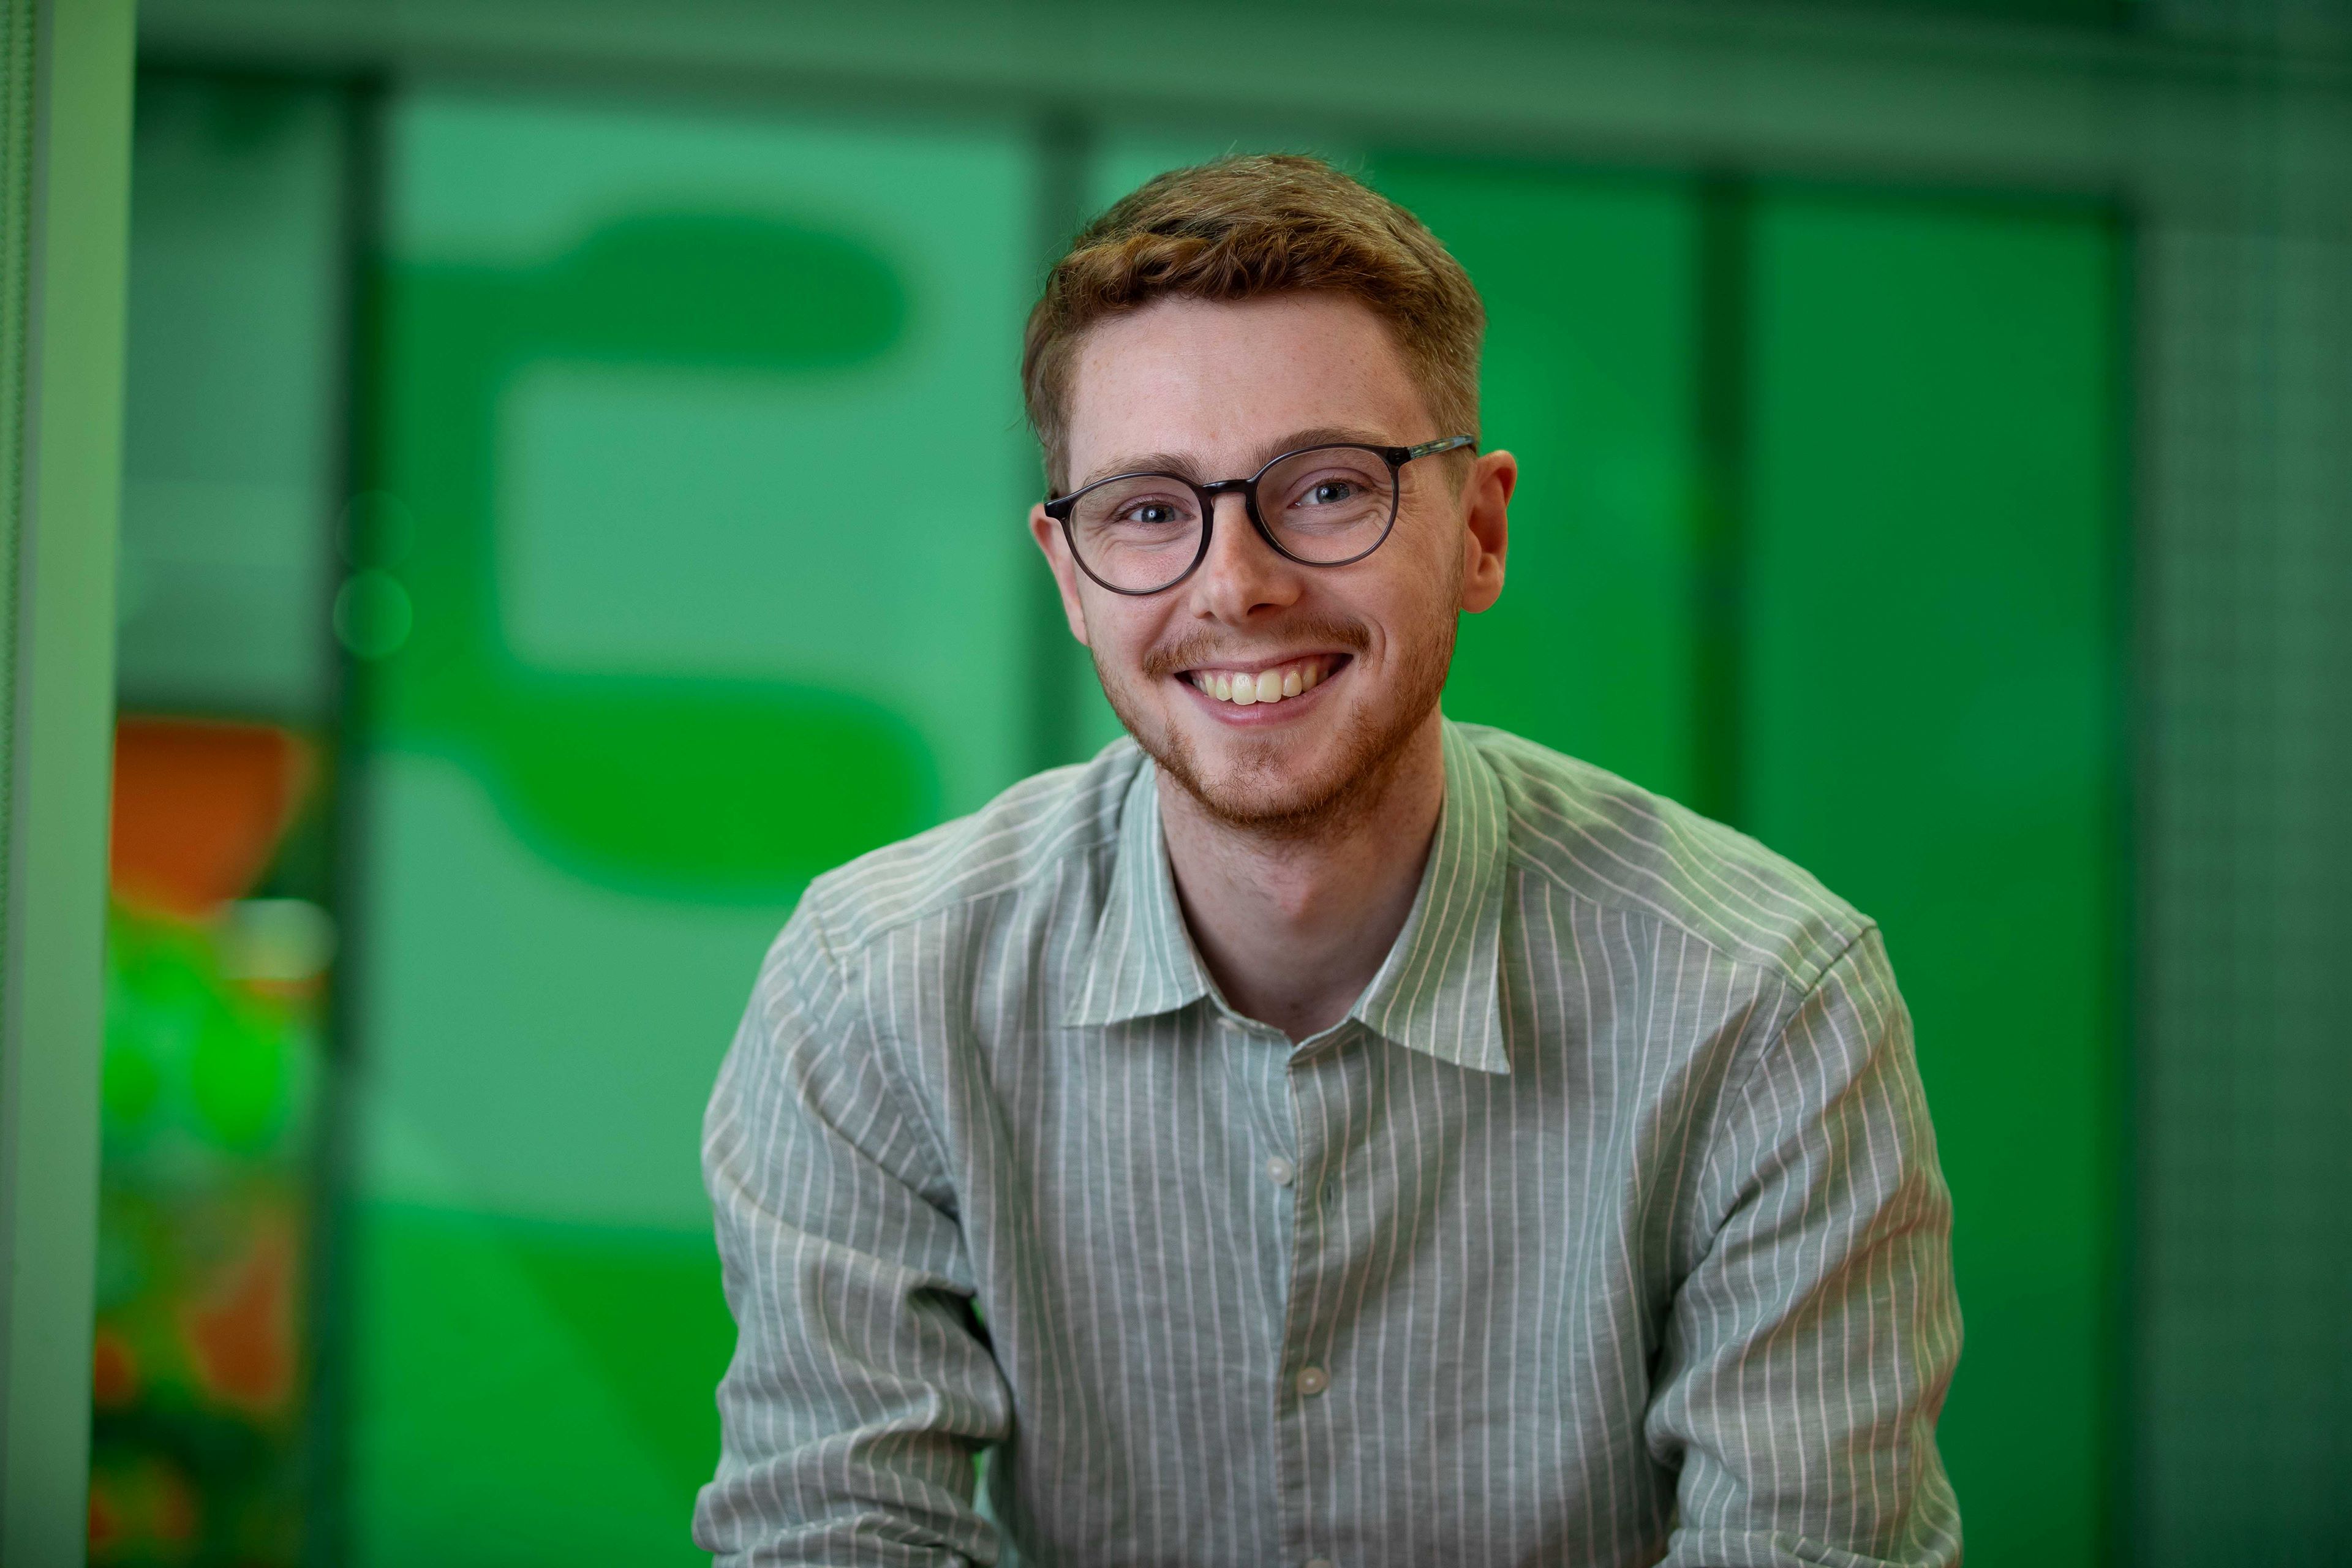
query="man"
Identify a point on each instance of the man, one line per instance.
(1315, 1133)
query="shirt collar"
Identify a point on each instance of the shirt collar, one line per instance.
(1143, 961)
(1439, 992)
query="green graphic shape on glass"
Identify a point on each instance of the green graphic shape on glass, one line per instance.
(745, 787)
(1933, 677)
(700, 471)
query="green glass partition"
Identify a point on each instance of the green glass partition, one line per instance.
(1932, 686)
(689, 568)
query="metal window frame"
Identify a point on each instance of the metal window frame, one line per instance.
(69, 71)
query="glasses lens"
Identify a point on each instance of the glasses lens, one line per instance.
(1138, 533)
(1332, 503)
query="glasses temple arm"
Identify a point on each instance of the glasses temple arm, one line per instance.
(1442, 444)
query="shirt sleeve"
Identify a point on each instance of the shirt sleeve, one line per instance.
(862, 1387)
(1807, 1354)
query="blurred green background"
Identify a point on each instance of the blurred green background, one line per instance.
(611, 466)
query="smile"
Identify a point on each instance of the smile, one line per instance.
(1246, 687)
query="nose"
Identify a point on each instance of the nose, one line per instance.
(1242, 577)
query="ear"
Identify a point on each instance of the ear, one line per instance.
(1486, 534)
(1055, 547)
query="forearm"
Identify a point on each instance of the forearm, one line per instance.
(861, 1387)
(1808, 1354)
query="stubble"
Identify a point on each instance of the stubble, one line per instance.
(1262, 796)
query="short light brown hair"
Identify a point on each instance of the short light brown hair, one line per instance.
(1242, 227)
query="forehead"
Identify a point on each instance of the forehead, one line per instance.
(1219, 379)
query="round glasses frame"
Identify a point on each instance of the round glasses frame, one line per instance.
(1059, 507)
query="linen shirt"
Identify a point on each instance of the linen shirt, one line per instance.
(1606, 1228)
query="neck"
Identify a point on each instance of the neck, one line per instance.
(1294, 927)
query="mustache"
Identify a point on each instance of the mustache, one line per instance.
(1198, 647)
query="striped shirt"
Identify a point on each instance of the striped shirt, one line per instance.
(1605, 1229)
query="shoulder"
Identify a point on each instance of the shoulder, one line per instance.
(1021, 837)
(1596, 837)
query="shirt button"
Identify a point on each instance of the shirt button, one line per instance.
(1312, 1382)
(1283, 1172)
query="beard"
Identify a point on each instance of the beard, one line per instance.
(1261, 792)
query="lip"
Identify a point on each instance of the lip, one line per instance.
(1261, 713)
(1253, 666)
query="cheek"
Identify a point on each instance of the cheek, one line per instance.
(1405, 609)
(1437, 583)
(1119, 631)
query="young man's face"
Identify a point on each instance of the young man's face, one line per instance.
(1212, 391)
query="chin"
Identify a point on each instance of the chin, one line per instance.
(1273, 788)
(1264, 798)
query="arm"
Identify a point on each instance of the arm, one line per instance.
(1808, 1352)
(861, 1387)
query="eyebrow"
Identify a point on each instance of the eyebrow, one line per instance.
(1184, 467)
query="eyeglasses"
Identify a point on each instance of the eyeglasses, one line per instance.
(1319, 506)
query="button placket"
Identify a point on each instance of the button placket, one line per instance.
(1320, 1101)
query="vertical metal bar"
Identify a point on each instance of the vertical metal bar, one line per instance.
(1719, 553)
(76, 190)
(330, 1419)
(16, 59)
(2130, 753)
(1058, 666)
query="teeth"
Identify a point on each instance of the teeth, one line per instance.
(1265, 686)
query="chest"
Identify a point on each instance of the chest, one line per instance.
(1192, 1164)
(1214, 1267)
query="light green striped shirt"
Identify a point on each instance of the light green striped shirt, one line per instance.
(1606, 1228)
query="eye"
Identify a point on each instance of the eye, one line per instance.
(1149, 514)
(1332, 491)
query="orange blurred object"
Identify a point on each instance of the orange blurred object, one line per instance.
(105, 1518)
(114, 1371)
(243, 1338)
(178, 1512)
(199, 807)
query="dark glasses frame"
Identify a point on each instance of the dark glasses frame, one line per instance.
(1059, 507)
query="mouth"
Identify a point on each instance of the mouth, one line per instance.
(1265, 683)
